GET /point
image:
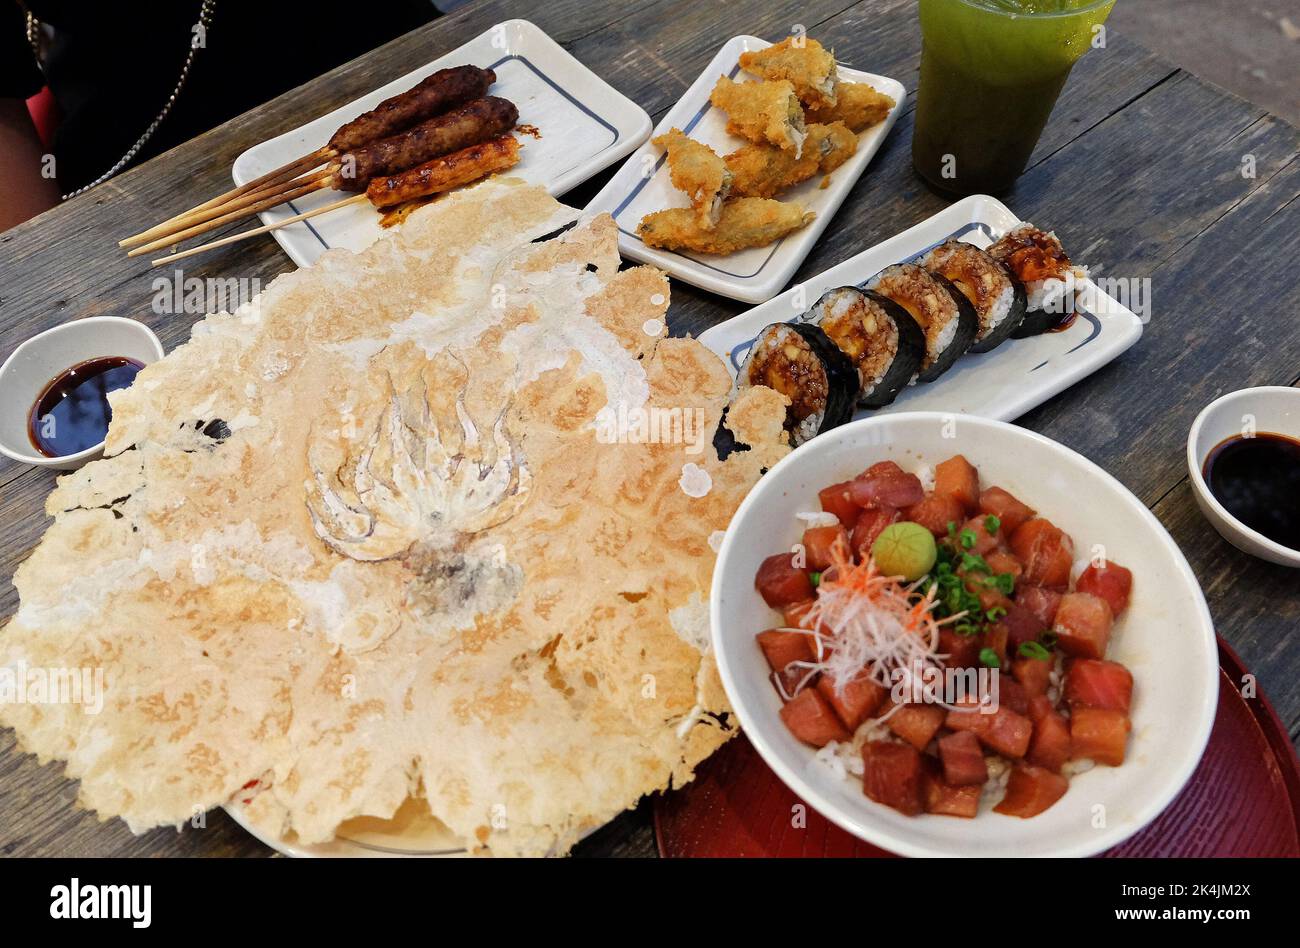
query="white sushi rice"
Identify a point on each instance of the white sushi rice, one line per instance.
(995, 788)
(1049, 295)
(818, 518)
(1000, 308)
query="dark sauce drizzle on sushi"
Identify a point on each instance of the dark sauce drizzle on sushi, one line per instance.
(1257, 480)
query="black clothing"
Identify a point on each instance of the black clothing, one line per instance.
(112, 65)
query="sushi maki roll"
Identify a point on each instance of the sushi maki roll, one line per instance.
(1037, 259)
(999, 300)
(881, 339)
(944, 315)
(800, 361)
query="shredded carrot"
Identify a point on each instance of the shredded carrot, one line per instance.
(868, 624)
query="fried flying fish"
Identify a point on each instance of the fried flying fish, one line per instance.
(762, 112)
(744, 222)
(764, 171)
(857, 105)
(696, 169)
(805, 63)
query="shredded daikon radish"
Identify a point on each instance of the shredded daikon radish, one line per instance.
(868, 624)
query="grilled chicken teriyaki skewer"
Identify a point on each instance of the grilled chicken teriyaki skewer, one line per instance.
(442, 174)
(433, 95)
(475, 122)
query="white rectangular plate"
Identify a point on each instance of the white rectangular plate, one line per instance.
(642, 185)
(1003, 384)
(585, 125)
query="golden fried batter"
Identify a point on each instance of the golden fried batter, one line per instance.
(762, 112)
(764, 171)
(804, 62)
(857, 105)
(745, 222)
(696, 169)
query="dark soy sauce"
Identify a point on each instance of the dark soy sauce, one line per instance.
(1258, 481)
(72, 413)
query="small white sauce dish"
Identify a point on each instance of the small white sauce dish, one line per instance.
(1269, 408)
(44, 357)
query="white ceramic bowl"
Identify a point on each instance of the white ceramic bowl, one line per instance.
(45, 356)
(1270, 408)
(1165, 636)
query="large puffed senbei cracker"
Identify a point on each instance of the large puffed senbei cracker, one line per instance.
(450, 544)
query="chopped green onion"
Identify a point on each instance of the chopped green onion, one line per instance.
(967, 539)
(994, 614)
(991, 524)
(990, 658)
(816, 579)
(1033, 650)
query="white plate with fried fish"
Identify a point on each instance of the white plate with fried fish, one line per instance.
(644, 184)
(582, 123)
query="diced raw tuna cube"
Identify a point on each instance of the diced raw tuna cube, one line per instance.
(1006, 508)
(781, 583)
(881, 486)
(1110, 581)
(1003, 731)
(963, 651)
(985, 542)
(1098, 735)
(858, 700)
(782, 651)
(835, 499)
(1041, 602)
(1094, 683)
(935, 513)
(1012, 695)
(1021, 625)
(817, 543)
(944, 799)
(892, 775)
(1000, 561)
(1049, 747)
(962, 758)
(1082, 625)
(870, 524)
(1039, 707)
(811, 719)
(917, 723)
(796, 615)
(1034, 674)
(1031, 790)
(958, 479)
(1046, 551)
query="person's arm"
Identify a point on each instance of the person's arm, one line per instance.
(24, 190)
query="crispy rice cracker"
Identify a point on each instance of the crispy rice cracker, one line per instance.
(392, 532)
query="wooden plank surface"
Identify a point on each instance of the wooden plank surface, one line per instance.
(1140, 169)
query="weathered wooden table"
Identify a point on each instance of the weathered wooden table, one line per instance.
(1143, 166)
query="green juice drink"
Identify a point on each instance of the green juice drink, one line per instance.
(990, 73)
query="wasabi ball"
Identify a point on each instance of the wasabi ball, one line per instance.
(906, 550)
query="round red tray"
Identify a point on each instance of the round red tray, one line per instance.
(1243, 799)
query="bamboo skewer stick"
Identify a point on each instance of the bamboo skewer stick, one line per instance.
(266, 228)
(210, 209)
(239, 204)
(301, 186)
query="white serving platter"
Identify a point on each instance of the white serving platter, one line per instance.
(584, 123)
(642, 185)
(1003, 384)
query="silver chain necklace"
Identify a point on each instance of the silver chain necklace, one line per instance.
(200, 30)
